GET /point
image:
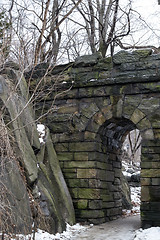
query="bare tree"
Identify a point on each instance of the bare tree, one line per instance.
(104, 22)
(132, 146)
(5, 32)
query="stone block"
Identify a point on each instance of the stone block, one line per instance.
(86, 92)
(96, 156)
(104, 166)
(104, 185)
(144, 124)
(145, 206)
(117, 172)
(154, 206)
(74, 192)
(113, 212)
(68, 137)
(128, 111)
(130, 57)
(86, 173)
(156, 181)
(117, 195)
(89, 135)
(80, 164)
(118, 203)
(66, 109)
(146, 165)
(145, 194)
(154, 193)
(157, 133)
(92, 214)
(65, 156)
(69, 175)
(150, 157)
(107, 112)
(133, 100)
(150, 173)
(82, 146)
(59, 127)
(108, 204)
(150, 215)
(151, 143)
(107, 198)
(88, 193)
(137, 116)
(110, 176)
(69, 170)
(95, 183)
(95, 204)
(99, 118)
(101, 174)
(151, 150)
(155, 118)
(88, 109)
(145, 181)
(149, 105)
(73, 183)
(61, 147)
(58, 117)
(81, 156)
(81, 204)
(117, 164)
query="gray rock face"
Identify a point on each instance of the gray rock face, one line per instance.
(126, 194)
(46, 179)
(15, 203)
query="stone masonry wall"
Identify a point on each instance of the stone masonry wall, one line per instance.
(93, 105)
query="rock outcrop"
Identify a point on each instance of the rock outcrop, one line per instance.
(50, 205)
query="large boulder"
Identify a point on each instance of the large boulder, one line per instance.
(42, 171)
(16, 215)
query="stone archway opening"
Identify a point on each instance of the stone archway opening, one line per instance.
(131, 169)
(119, 136)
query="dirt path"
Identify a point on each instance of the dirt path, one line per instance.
(120, 229)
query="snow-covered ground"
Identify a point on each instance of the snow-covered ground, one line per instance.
(152, 233)
(74, 232)
(135, 199)
(70, 232)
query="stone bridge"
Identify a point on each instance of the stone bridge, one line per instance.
(92, 105)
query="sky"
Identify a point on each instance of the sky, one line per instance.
(150, 11)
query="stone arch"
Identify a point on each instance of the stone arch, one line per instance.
(103, 91)
(108, 134)
(106, 131)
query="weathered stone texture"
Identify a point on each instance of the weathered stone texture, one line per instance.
(108, 99)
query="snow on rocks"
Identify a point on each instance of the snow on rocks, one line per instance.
(152, 233)
(71, 231)
(42, 132)
(42, 235)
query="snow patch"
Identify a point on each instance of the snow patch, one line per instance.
(41, 132)
(152, 233)
(93, 80)
(42, 235)
(135, 200)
